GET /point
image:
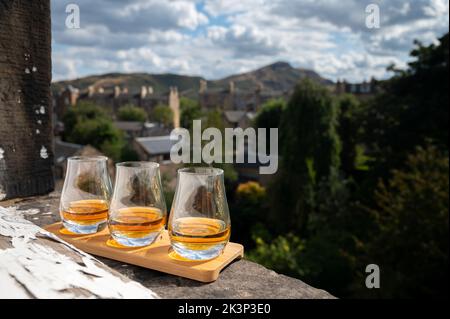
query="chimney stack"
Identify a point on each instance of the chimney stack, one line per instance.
(259, 87)
(232, 87)
(174, 104)
(116, 92)
(144, 92)
(203, 86)
(91, 91)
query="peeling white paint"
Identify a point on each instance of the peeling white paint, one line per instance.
(34, 69)
(2, 151)
(44, 153)
(2, 194)
(42, 110)
(30, 269)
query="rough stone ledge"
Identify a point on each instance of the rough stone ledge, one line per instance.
(242, 279)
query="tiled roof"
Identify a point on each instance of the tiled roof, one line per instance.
(156, 145)
(129, 126)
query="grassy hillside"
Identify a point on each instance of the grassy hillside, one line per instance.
(277, 77)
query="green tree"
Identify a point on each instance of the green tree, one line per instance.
(132, 113)
(310, 150)
(411, 110)
(81, 112)
(214, 119)
(269, 116)
(282, 254)
(247, 208)
(88, 124)
(164, 115)
(412, 212)
(190, 111)
(350, 130)
(403, 227)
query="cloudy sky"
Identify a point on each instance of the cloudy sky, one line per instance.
(216, 38)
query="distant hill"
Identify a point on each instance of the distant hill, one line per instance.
(133, 81)
(277, 77)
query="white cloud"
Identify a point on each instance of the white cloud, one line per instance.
(228, 7)
(133, 16)
(245, 41)
(216, 38)
(63, 68)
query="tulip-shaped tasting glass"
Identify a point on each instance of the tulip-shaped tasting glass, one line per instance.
(199, 224)
(85, 196)
(138, 210)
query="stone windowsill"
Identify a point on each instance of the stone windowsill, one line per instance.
(242, 279)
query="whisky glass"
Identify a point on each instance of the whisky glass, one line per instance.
(85, 196)
(199, 223)
(138, 210)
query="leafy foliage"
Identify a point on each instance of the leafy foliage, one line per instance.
(282, 254)
(248, 209)
(412, 213)
(269, 116)
(382, 200)
(163, 114)
(132, 113)
(411, 110)
(89, 124)
(309, 152)
(190, 111)
(349, 129)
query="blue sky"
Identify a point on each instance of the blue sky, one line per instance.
(216, 38)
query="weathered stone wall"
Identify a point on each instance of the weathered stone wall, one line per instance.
(242, 279)
(26, 154)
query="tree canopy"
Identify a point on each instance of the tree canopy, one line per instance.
(132, 113)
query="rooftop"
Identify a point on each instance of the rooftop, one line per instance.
(158, 145)
(129, 126)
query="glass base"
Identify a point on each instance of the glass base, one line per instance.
(84, 229)
(191, 254)
(135, 242)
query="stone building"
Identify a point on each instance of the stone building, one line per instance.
(234, 98)
(113, 98)
(360, 89)
(65, 100)
(155, 149)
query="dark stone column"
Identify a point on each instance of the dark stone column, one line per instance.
(26, 150)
